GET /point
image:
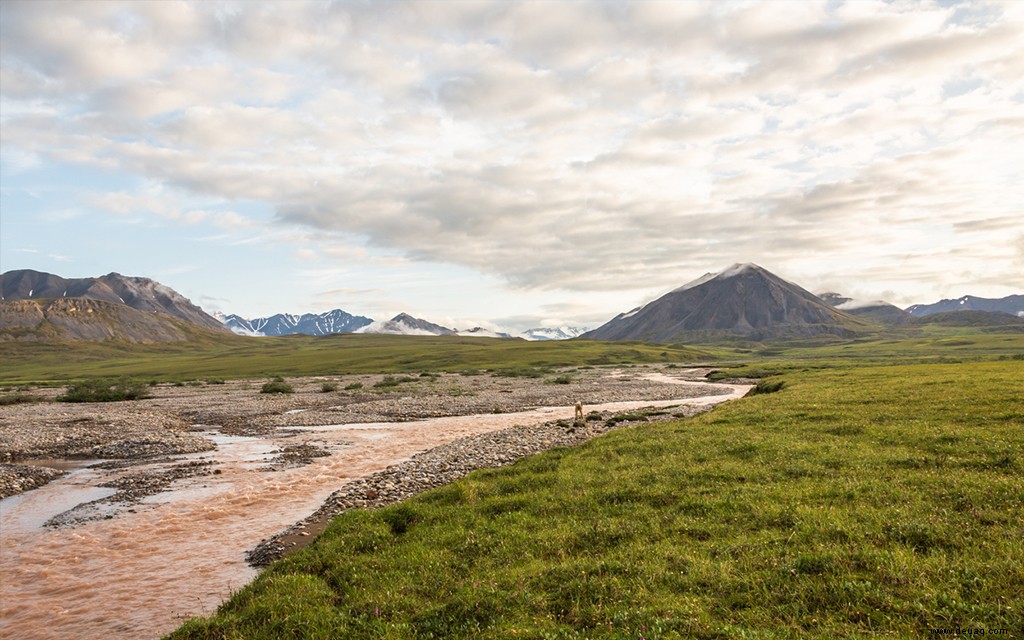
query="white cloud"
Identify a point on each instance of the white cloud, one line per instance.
(561, 146)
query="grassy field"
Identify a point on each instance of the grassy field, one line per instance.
(859, 501)
(210, 355)
(232, 357)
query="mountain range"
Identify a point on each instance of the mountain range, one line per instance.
(1013, 305)
(282, 324)
(745, 301)
(338, 321)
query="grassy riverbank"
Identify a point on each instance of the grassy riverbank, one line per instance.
(857, 501)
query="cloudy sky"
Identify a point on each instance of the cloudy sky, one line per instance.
(513, 164)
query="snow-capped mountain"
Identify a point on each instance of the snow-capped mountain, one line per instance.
(404, 324)
(554, 333)
(1010, 304)
(281, 324)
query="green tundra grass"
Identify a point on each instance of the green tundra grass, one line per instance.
(859, 501)
(228, 357)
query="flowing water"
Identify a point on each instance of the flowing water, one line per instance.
(180, 553)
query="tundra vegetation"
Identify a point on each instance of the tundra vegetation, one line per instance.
(855, 500)
(877, 489)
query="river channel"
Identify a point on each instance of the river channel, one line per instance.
(140, 572)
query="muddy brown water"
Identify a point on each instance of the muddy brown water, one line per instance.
(180, 553)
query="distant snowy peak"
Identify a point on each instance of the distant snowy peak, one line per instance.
(1010, 304)
(281, 324)
(554, 333)
(407, 325)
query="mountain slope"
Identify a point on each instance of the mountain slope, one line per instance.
(744, 300)
(1010, 304)
(141, 294)
(77, 319)
(988, 319)
(281, 324)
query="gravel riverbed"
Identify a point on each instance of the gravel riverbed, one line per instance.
(177, 418)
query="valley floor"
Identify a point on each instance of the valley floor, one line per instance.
(165, 498)
(178, 417)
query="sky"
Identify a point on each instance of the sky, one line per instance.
(513, 164)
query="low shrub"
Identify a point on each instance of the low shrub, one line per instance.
(277, 386)
(561, 380)
(522, 372)
(392, 381)
(105, 391)
(767, 386)
(353, 386)
(388, 381)
(328, 387)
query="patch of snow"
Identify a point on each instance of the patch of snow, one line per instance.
(730, 272)
(480, 332)
(630, 314)
(30, 292)
(707, 277)
(737, 269)
(242, 331)
(553, 333)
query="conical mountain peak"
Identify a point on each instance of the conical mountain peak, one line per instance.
(743, 299)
